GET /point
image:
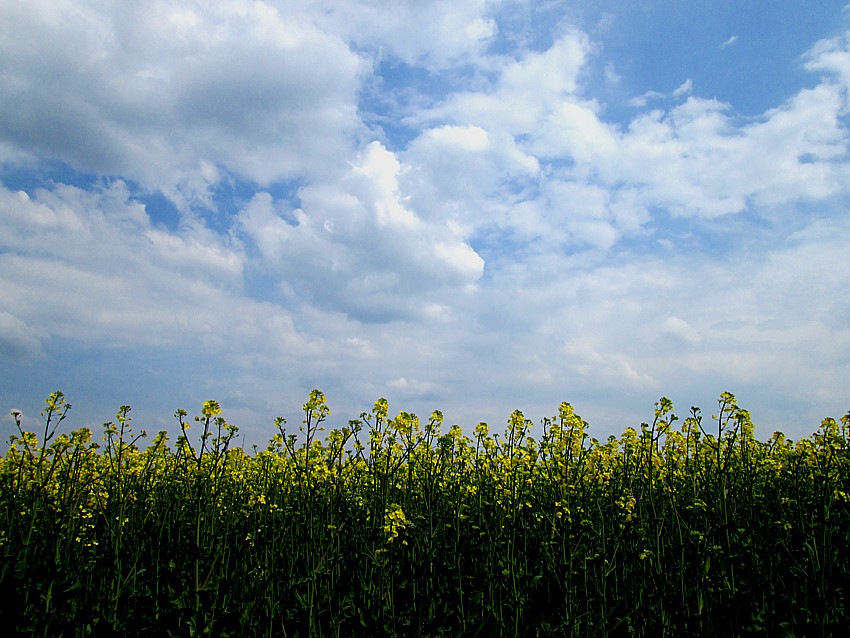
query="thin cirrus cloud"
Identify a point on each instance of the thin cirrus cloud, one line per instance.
(462, 213)
(732, 39)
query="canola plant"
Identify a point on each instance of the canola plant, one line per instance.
(398, 527)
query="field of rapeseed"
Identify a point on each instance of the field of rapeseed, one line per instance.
(398, 527)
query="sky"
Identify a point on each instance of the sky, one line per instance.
(471, 207)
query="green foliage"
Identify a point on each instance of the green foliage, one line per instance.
(396, 527)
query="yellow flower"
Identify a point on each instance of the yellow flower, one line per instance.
(394, 522)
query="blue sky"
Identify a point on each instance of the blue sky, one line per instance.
(472, 207)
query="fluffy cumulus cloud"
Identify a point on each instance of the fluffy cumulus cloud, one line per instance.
(90, 265)
(526, 87)
(470, 207)
(355, 246)
(164, 91)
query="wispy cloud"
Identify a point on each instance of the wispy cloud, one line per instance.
(684, 89)
(729, 42)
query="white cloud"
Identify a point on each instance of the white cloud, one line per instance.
(18, 341)
(410, 388)
(641, 101)
(526, 89)
(684, 89)
(732, 39)
(435, 34)
(467, 138)
(164, 92)
(573, 129)
(681, 329)
(93, 268)
(611, 76)
(582, 211)
(697, 159)
(465, 176)
(382, 260)
(831, 56)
